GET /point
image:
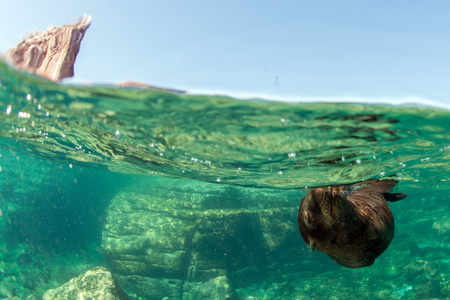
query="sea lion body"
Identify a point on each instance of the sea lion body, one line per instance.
(351, 225)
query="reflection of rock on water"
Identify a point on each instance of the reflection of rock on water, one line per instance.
(168, 237)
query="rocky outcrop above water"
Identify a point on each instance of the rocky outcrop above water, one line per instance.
(96, 283)
(186, 239)
(52, 53)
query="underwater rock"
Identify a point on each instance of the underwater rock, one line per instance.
(425, 278)
(353, 225)
(97, 283)
(21, 272)
(52, 53)
(442, 225)
(427, 289)
(420, 268)
(181, 232)
(153, 288)
(445, 290)
(217, 288)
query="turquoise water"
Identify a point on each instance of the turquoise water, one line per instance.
(188, 196)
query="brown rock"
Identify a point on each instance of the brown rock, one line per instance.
(52, 53)
(141, 85)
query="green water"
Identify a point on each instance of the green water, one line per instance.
(100, 176)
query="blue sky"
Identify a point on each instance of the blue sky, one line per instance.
(302, 50)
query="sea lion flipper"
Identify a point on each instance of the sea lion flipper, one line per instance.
(392, 197)
(382, 186)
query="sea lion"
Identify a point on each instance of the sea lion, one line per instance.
(351, 224)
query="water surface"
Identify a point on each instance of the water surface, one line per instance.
(67, 150)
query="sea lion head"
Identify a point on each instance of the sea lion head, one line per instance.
(323, 207)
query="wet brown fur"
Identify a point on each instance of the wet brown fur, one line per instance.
(353, 230)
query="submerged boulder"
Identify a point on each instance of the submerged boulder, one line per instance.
(442, 225)
(216, 288)
(161, 235)
(97, 283)
(52, 53)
